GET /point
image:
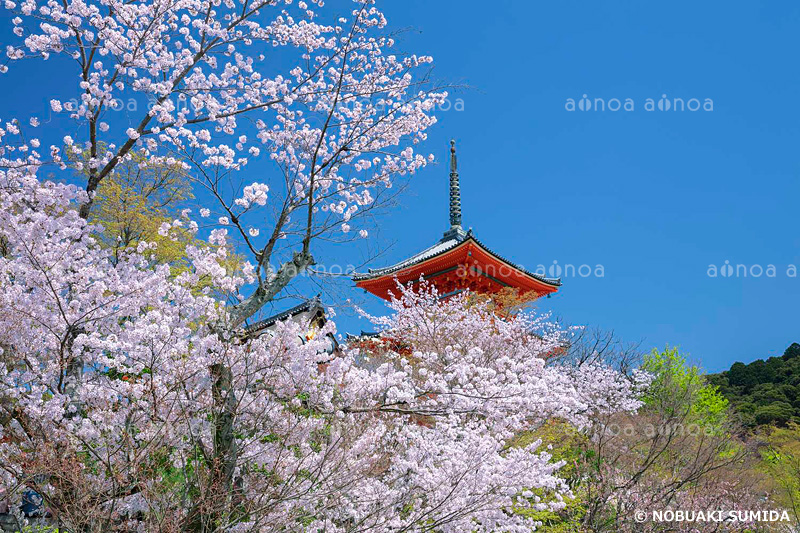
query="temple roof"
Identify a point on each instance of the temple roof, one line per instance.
(311, 306)
(449, 242)
(458, 261)
(432, 251)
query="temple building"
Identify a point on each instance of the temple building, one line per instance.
(457, 262)
(309, 315)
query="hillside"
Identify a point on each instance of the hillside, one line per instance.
(764, 391)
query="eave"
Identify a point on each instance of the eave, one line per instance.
(468, 257)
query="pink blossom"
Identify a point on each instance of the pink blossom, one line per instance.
(424, 427)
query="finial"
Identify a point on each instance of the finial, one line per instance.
(455, 190)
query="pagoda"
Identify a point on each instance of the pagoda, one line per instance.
(457, 262)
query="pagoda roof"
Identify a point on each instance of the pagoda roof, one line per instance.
(449, 242)
(457, 262)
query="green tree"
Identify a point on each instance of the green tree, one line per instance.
(739, 375)
(764, 391)
(781, 460)
(792, 351)
(675, 379)
(134, 201)
(564, 443)
(678, 447)
(775, 413)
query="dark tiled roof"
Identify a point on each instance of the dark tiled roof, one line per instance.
(441, 247)
(363, 334)
(308, 305)
(437, 249)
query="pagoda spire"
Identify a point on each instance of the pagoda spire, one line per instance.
(455, 231)
(455, 190)
(457, 262)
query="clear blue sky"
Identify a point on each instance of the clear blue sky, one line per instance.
(655, 197)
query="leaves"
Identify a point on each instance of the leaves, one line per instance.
(764, 391)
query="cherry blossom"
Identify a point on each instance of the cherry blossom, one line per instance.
(135, 389)
(124, 361)
(333, 111)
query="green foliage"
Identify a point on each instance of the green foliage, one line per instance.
(670, 373)
(764, 391)
(132, 202)
(776, 413)
(566, 520)
(792, 351)
(564, 443)
(595, 468)
(781, 461)
(674, 379)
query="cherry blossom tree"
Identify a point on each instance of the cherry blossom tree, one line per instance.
(131, 398)
(333, 110)
(178, 425)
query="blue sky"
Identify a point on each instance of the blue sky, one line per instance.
(655, 197)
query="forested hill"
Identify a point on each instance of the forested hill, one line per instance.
(764, 391)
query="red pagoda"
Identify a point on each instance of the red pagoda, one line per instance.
(457, 262)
